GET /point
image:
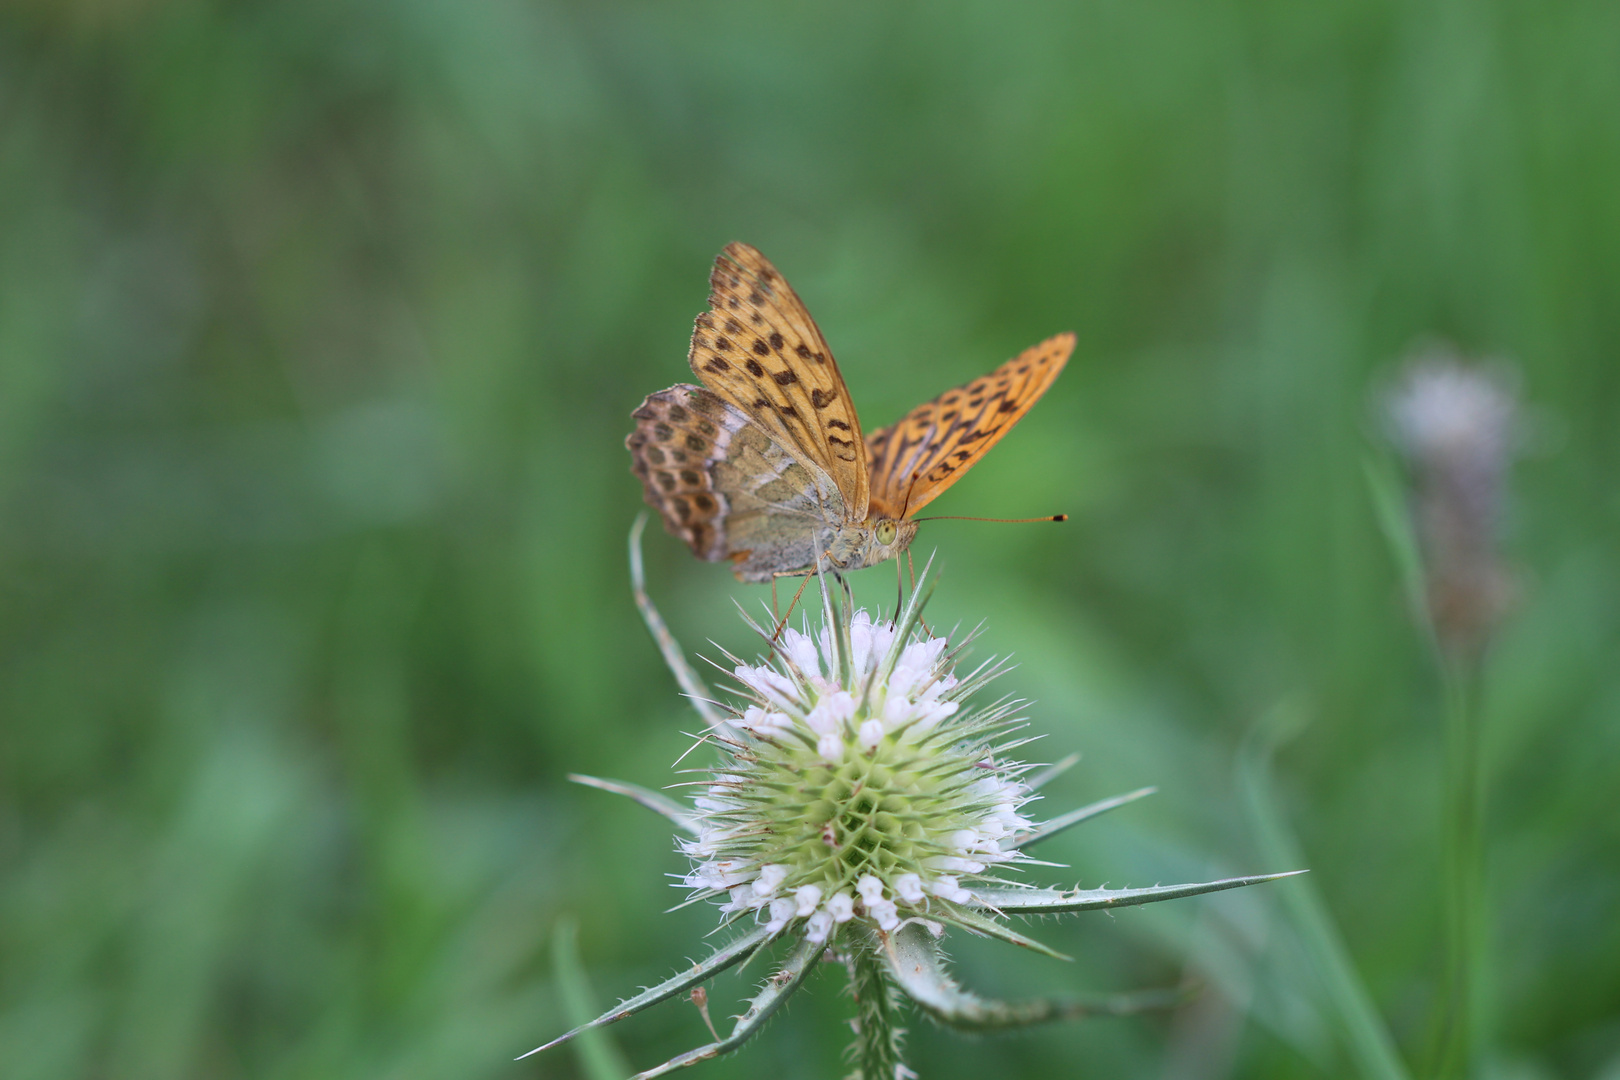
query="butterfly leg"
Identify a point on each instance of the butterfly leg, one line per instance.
(824, 560)
(783, 620)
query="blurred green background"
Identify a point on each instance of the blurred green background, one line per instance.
(320, 325)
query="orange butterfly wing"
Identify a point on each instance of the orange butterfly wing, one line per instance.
(758, 348)
(912, 461)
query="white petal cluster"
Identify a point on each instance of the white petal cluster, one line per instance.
(909, 703)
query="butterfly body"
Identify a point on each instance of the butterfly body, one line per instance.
(731, 491)
(765, 464)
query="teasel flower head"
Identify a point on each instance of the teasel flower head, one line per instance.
(864, 803)
(1456, 423)
(858, 787)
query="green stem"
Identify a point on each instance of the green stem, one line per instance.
(876, 1049)
(1463, 865)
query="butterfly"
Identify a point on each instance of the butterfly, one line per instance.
(765, 464)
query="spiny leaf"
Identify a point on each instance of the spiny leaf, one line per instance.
(1056, 901)
(916, 965)
(778, 988)
(980, 923)
(732, 953)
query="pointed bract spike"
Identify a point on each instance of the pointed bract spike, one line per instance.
(667, 645)
(709, 894)
(778, 988)
(1051, 828)
(652, 800)
(916, 965)
(980, 923)
(748, 620)
(1056, 901)
(1052, 772)
(735, 951)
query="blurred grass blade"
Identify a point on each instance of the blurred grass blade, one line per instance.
(599, 1056)
(655, 801)
(1395, 522)
(1366, 1038)
(1074, 817)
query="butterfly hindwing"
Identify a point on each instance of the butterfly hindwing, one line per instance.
(914, 460)
(723, 484)
(758, 348)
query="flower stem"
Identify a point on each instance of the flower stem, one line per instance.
(1463, 864)
(876, 1049)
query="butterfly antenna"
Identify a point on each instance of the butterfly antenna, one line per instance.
(905, 507)
(913, 568)
(909, 488)
(899, 590)
(1002, 521)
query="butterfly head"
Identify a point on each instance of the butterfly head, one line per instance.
(871, 542)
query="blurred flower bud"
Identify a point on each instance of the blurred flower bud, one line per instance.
(1456, 422)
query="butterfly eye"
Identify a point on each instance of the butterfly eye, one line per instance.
(885, 532)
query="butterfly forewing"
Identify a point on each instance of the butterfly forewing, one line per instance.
(914, 460)
(759, 349)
